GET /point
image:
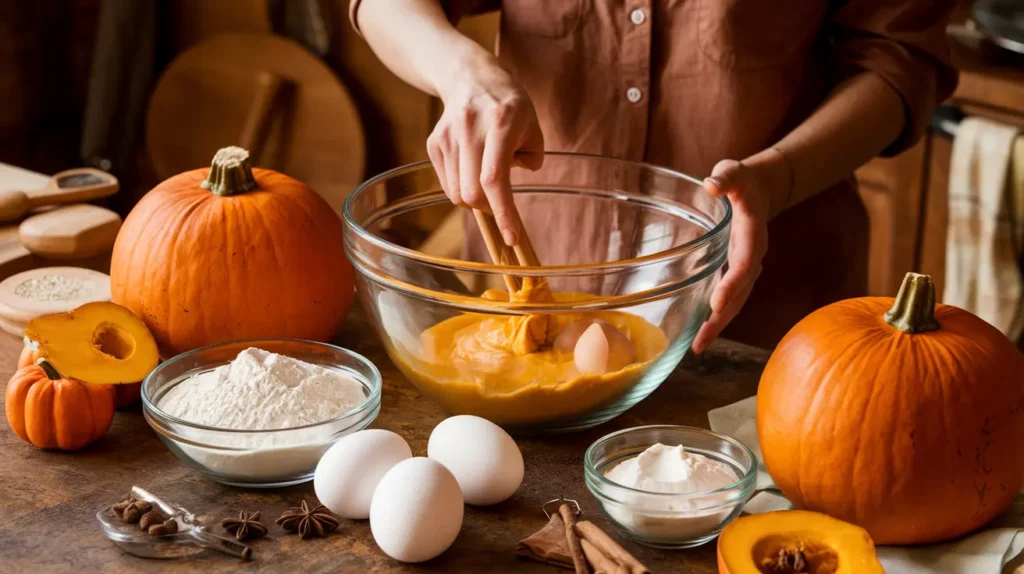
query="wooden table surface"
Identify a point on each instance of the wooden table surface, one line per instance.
(48, 500)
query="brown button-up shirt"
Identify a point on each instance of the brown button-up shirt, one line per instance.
(686, 83)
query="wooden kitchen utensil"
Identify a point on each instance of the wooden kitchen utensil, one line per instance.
(267, 94)
(69, 186)
(73, 232)
(522, 254)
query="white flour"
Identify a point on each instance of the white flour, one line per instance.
(260, 390)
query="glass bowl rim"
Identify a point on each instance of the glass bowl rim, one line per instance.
(591, 472)
(478, 267)
(375, 382)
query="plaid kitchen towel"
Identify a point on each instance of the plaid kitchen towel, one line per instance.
(985, 239)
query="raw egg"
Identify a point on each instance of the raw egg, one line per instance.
(350, 470)
(482, 456)
(602, 349)
(416, 511)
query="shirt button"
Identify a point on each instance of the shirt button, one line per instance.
(634, 95)
(637, 16)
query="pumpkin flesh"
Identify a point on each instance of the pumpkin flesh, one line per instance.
(914, 437)
(100, 343)
(769, 543)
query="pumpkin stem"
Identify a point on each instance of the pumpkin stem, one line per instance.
(914, 308)
(230, 172)
(51, 373)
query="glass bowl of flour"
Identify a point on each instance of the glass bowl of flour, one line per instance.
(260, 413)
(670, 486)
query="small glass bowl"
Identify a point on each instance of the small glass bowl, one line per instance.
(258, 458)
(697, 517)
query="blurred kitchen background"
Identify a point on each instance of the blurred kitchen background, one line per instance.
(147, 89)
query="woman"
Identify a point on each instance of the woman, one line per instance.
(796, 95)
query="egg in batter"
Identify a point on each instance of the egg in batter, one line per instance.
(510, 370)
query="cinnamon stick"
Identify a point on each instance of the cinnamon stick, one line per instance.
(575, 549)
(592, 534)
(599, 562)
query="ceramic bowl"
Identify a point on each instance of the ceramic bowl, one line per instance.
(258, 458)
(636, 238)
(669, 520)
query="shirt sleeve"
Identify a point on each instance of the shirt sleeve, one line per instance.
(904, 42)
(454, 9)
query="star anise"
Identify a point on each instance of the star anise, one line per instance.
(316, 522)
(246, 527)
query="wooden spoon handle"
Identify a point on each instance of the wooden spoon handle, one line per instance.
(524, 250)
(501, 254)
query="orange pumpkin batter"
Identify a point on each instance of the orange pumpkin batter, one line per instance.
(505, 369)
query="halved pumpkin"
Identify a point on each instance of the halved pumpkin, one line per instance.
(795, 542)
(99, 343)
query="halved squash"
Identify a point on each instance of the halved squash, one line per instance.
(99, 343)
(795, 542)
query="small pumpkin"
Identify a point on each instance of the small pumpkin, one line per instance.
(54, 412)
(899, 415)
(232, 252)
(794, 541)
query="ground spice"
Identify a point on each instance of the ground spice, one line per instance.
(54, 288)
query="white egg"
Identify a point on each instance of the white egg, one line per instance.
(417, 510)
(482, 456)
(349, 471)
(567, 337)
(602, 349)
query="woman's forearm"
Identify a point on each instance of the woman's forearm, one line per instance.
(416, 41)
(860, 118)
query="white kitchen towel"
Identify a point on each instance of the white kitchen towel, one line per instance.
(981, 553)
(985, 231)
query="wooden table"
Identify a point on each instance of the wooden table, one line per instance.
(48, 500)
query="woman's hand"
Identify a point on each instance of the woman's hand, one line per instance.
(751, 186)
(487, 119)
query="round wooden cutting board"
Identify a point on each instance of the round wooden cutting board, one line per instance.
(264, 92)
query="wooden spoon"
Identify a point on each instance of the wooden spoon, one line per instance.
(521, 254)
(69, 186)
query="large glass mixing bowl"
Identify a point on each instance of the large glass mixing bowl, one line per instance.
(638, 246)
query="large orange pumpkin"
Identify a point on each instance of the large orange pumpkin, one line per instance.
(231, 252)
(901, 416)
(53, 412)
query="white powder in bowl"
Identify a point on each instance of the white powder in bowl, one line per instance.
(668, 470)
(260, 390)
